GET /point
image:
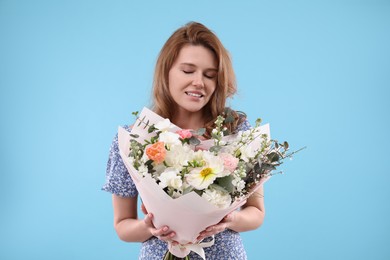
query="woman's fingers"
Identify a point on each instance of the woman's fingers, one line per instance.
(148, 220)
(212, 230)
(215, 229)
(161, 233)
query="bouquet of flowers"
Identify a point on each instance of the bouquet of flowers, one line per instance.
(198, 182)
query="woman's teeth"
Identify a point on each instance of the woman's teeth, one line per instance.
(194, 94)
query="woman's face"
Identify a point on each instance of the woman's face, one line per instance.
(193, 78)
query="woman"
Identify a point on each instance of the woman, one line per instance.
(193, 78)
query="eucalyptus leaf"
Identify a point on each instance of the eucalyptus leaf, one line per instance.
(194, 141)
(226, 183)
(201, 131)
(273, 157)
(257, 168)
(215, 148)
(151, 128)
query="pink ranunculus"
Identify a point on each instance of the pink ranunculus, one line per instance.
(184, 133)
(229, 161)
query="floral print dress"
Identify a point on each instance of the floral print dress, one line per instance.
(227, 245)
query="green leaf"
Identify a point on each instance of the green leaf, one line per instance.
(134, 135)
(200, 131)
(215, 136)
(135, 113)
(273, 157)
(215, 148)
(194, 141)
(151, 128)
(258, 122)
(226, 183)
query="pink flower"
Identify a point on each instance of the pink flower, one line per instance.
(156, 152)
(184, 133)
(229, 161)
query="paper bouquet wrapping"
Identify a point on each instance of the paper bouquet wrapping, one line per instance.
(188, 214)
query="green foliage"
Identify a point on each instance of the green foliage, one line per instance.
(226, 183)
(194, 141)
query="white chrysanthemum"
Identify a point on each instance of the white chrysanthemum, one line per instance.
(200, 178)
(178, 156)
(170, 178)
(169, 138)
(218, 197)
(163, 125)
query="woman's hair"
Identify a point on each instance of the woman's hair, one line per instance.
(198, 35)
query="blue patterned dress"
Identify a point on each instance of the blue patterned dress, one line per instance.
(228, 244)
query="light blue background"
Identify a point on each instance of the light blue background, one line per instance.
(318, 71)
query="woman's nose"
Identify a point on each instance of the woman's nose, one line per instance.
(198, 80)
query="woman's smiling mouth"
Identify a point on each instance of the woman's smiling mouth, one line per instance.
(193, 94)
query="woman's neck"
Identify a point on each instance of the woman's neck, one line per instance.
(188, 120)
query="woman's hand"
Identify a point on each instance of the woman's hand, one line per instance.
(218, 228)
(161, 233)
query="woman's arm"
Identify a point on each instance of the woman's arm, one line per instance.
(250, 217)
(131, 229)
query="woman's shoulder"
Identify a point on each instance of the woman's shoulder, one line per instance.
(242, 121)
(243, 125)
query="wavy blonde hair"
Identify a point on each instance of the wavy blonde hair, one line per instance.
(196, 34)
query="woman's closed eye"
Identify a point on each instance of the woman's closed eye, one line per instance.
(210, 75)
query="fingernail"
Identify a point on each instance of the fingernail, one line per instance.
(209, 229)
(165, 228)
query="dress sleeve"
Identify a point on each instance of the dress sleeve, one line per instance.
(245, 125)
(118, 180)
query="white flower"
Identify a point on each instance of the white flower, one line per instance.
(158, 168)
(238, 183)
(178, 156)
(169, 138)
(143, 169)
(201, 177)
(163, 125)
(248, 152)
(170, 178)
(218, 197)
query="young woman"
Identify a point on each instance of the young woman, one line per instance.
(193, 78)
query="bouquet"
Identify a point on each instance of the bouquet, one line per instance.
(198, 182)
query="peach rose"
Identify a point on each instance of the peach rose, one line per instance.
(156, 152)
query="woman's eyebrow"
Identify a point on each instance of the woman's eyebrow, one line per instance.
(193, 65)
